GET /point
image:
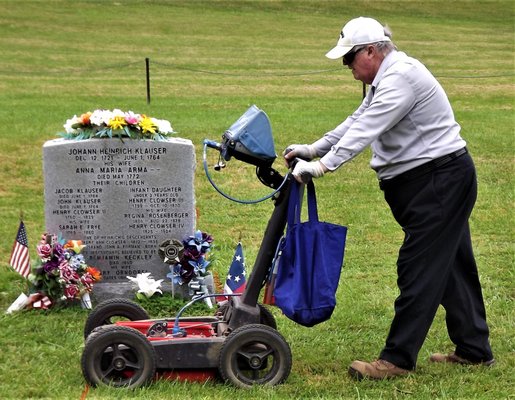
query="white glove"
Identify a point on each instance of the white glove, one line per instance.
(304, 170)
(305, 151)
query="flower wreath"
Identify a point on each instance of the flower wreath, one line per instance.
(116, 123)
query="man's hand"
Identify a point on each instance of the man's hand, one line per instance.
(304, 171)
(304, 151)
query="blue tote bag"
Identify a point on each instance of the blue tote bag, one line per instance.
(309, 263)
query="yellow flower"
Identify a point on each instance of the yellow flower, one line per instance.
(117, 123)
(147, 125)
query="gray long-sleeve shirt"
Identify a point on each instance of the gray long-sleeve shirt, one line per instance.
(406, 118)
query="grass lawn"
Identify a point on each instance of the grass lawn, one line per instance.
(209, 61)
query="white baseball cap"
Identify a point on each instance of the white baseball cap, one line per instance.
(357, 31)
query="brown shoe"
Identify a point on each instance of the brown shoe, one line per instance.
(379, 369)
(453, 358)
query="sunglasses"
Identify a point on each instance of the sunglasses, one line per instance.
(348, 58)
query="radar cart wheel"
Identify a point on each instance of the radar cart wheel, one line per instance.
(118, 356)
(110, 311)
(255, 355)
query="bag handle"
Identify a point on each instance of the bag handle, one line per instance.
(312, 202)
(295, 203)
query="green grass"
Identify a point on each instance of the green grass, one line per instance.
(61, 58)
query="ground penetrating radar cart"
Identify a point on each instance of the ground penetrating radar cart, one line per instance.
(240, 343)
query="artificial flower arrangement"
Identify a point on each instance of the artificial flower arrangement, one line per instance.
(188, 267)
(191, 261)
(62, 273)
(116, 123)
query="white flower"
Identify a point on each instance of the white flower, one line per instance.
(96, 117)
(146, 284)
(69, 123)
(163, 125)
(101, 117)
(117, 113)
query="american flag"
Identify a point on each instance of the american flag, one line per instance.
(20, 259)
(235, 282)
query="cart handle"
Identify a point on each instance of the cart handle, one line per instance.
(218, 146)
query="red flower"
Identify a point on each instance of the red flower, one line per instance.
(67, 273)
(71, 291)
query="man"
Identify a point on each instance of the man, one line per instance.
(429, 182)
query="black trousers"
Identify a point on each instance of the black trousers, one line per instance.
(436, 263)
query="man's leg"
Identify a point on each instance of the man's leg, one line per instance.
(434, 213)
(465, 310)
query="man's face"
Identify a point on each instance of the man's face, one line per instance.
(365, 64)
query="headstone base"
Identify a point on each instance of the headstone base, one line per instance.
(106, 291)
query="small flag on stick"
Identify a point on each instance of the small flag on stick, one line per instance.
(235, 282)
(20, 259)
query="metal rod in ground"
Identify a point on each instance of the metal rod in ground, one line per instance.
(147, 68)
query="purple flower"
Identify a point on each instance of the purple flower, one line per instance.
(58, 250)
(50, 266)
(207, 237)
(187, 273)
(191, 254)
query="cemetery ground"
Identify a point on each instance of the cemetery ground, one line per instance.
(209, 61)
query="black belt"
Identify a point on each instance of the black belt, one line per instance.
(423, 169)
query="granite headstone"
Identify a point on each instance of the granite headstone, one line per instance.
(122, 198)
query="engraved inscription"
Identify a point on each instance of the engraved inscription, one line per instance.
(121, 198)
